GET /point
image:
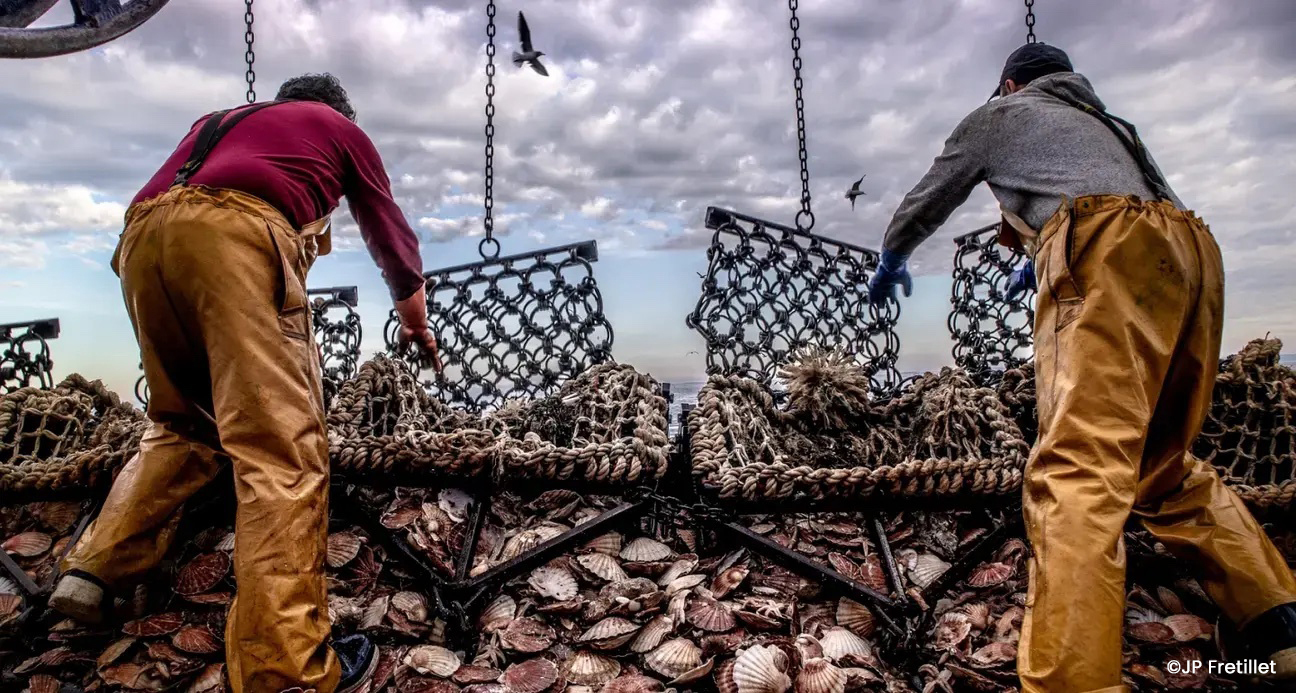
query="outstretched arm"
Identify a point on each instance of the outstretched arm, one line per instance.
(391, 242)
(947, 184)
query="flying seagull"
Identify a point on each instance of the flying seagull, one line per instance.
(855, 192)
(528, 55)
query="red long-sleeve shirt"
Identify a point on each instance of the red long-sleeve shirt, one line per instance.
(302, 157)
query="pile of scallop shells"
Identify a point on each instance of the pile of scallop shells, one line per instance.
(652, 606)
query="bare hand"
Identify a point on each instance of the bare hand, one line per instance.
(423, 339)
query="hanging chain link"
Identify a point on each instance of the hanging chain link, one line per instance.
(249, 56)
(489, 220)
(804, 218)
(1030, 21)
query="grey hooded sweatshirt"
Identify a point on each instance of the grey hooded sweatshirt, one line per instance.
(1033, 149)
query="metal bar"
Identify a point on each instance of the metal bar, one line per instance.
(86, 519)
(549, 549)
(349, 295)
(355, 510)
(16, 14)
(846, 504)
(19, 575)
(888, 561)
(800, 563)
(972, 234)
(481, 504)
(973, 556)
(718, 218)
(47, 328)
(87, 32)
(585, 250)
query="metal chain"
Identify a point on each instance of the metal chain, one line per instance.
(1030, 21)
(804, 218)
(248, 36)
(489, 220)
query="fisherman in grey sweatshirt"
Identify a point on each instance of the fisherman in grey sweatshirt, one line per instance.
(1127, 339)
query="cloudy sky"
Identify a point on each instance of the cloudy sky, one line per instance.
(652, 111)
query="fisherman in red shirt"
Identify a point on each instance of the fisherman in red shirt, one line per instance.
(213, 264)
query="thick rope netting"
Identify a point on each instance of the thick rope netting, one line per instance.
(607, 425)
(76, 434)
(943, 435)
(1250, 433)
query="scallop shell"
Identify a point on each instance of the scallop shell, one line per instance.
(1149, 673)
(202, 573)
(872, 575)
(993, 655)
(210, 680)
(455, 503)
(979, 614)
(953, 628)
(712, 616)
(689, 537)
(761, 669)
(1189, 627)
(372, 615)
(115, 651)
(226, 543)
(527, 635)
(724, 677)
(553, 583)
(844, 565)
(729, 580)
(990, 574)
(633, 683)
(1151, 631)
(855, 617)
(9, 604)
(603, 566)
(412, 605)
(43, 683)
(674, 657)
(838, 643)
(196, 640)
(154, 626)
(1170, 601)
(343, 547)
(27, 544)
(432, 660)
(693, 674)
(820, 676)
(548, 530)
(685, 583)
(498, 614)
(589, 669)
(925, 569)
(646, 550)
(608, 544)
(531, 676)
(59, 516)
(682, 566)
(652, 634)
(518, 544)
(400, 516)
(470, 673)
(609, 634)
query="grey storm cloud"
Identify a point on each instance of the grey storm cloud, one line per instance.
(663, 108)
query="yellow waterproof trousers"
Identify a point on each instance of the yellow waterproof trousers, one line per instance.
(1127, 341)
(215, 285)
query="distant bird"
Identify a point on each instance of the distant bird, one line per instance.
(529, 55)
(855, 192)
(690, 353)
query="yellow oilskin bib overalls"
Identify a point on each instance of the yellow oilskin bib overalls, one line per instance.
(1127, 341)
(215, 285)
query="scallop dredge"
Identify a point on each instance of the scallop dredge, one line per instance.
(656, 605)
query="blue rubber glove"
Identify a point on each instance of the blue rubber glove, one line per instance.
(1021, 280)
(891, 271)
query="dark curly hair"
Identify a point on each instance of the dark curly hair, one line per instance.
(323, 88)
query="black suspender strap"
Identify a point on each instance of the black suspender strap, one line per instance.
(212, 131)
(1134, 146)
